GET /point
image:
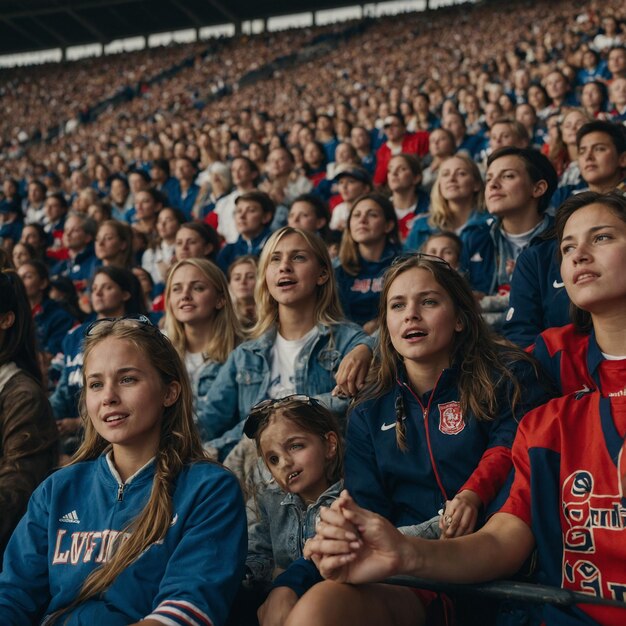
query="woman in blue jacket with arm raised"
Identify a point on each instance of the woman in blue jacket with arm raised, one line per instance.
(298, 342)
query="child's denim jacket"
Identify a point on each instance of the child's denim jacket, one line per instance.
(284, 524)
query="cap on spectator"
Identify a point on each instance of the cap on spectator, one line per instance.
(354, 171)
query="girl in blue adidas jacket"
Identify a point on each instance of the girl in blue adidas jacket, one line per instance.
(141, 528)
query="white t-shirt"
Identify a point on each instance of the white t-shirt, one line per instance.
(194, 362)
(225, 211)
(339, 218)
(284, 356)
(519, 242)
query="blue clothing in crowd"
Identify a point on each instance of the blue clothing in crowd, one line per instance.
(369, 162)
(74, 521)
(64, 400)
(203, 380)
(52, 323)
(11, 230)
(446, 451)
(538, 299)
(473, 145)
(563, 192)
(599, 72)
(80, 269)
(171, 189)
(422, 230)
(184, 202)
(329, 149)
(483, 256)
(242, 247)
(360, 294)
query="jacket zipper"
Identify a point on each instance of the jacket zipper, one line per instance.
(120, 491)
(425, 415)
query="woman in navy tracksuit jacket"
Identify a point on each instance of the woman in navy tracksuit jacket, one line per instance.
(369, 245)
(435, 427)
(444, 460)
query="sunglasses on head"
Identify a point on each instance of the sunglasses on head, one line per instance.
(262, 411)
(422, 256)
(142, 322)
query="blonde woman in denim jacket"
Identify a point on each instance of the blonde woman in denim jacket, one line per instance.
(200, 321)
(298, 307)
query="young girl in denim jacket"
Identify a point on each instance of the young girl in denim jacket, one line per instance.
(298, 440)
(298, 341)
(301, 451)
(201, 321)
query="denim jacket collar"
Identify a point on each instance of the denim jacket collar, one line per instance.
(265, 342)
(292, 499)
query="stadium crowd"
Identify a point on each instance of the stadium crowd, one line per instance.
(345, 256)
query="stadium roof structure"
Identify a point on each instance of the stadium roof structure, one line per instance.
(31, 25)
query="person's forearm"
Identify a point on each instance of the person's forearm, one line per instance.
(474, 558)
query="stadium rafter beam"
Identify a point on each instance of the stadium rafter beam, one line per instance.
(51, 31)
(118, 16)
(224, 11)
(22, 31)
(188, 12)
(83, 22)
(87, 25)
(66, 7)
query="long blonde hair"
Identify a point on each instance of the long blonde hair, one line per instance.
(327, 308)
(484, 361)
(226, 332)
(179, 445)
(440, 212)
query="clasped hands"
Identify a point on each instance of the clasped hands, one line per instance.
(355, 545)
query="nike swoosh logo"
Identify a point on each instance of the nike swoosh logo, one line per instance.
(558, 285)
(388, 426)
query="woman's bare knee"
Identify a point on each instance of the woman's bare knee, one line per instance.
(330, 604)
(319, 604)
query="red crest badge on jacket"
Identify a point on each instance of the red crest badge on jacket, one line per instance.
(450, 418)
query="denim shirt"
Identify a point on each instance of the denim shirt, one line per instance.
(284, 524)
(244, 379)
